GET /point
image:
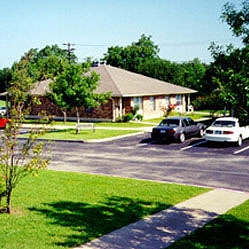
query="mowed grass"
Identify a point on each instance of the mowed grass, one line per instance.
(63, 210)
(228, 231)
(70, 134)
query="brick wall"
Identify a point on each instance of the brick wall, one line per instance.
(102, 112)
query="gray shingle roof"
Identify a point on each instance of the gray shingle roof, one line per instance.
(123, 83)
(41, 88)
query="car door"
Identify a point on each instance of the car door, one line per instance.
(186, 127)
(194, 130)
(189, 129)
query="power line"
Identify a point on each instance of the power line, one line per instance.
(69, 50)
(92, 45)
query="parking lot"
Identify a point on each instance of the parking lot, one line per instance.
(197, 145)
(193, 162)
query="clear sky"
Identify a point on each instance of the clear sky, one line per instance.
(183, 29)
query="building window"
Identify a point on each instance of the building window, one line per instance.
(179, 99)
(152, 103)
(137, 101)
(167, 101)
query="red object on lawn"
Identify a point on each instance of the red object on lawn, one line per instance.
(3, 122)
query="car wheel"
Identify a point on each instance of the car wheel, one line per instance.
(182, 138)
(201, 133)
(239, 142)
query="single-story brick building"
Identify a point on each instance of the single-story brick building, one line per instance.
(128, 90)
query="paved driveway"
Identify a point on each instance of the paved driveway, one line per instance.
(193, 162)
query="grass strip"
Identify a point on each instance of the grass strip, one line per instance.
(63, 210)
(228, 231)
(70, 134)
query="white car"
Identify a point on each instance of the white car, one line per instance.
(3, 110)
(227, 129)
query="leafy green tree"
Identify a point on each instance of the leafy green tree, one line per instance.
(230, 67)
(189, 74)
(75, 87)
(18, 160)
(193, 73)
(5, 77)
(230, 73)
(50, 61)
(115, 56)
(142, 57)
(132, 56)
(238, 20)
(46, 63)
(157, 68)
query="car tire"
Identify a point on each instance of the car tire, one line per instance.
(182, 138)
(239, 142)
(201, 133)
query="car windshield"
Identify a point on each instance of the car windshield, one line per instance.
(170, 122)
(224, 123)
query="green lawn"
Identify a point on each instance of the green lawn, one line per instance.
(114, 129)
(63, 210)
(228, 231)
(2, 103)
(70, 134)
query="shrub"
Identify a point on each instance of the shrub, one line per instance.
(135, 110)
(211, 101)
(128, 117)
(119, 119)
(139, 117)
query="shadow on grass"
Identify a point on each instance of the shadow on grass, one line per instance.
(225, 232)
(88, 221)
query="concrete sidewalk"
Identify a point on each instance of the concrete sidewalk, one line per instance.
(162, 229)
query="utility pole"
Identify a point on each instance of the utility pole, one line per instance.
(69, 50)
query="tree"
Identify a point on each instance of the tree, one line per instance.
(17, 160)
(132, 56)
(230, 73)
(50, 61)
(115, 56)
(193, 73)
(5, 77)
(230, 66)
(75, 87)
(238, 20)
(46, 63)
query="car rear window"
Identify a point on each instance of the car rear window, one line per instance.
(226, 123)
(170, 122)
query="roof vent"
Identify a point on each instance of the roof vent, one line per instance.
(98, 63)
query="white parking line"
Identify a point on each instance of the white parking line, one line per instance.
(191, 146)
(241, 150)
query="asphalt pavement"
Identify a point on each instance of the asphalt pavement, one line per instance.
(160, 230)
